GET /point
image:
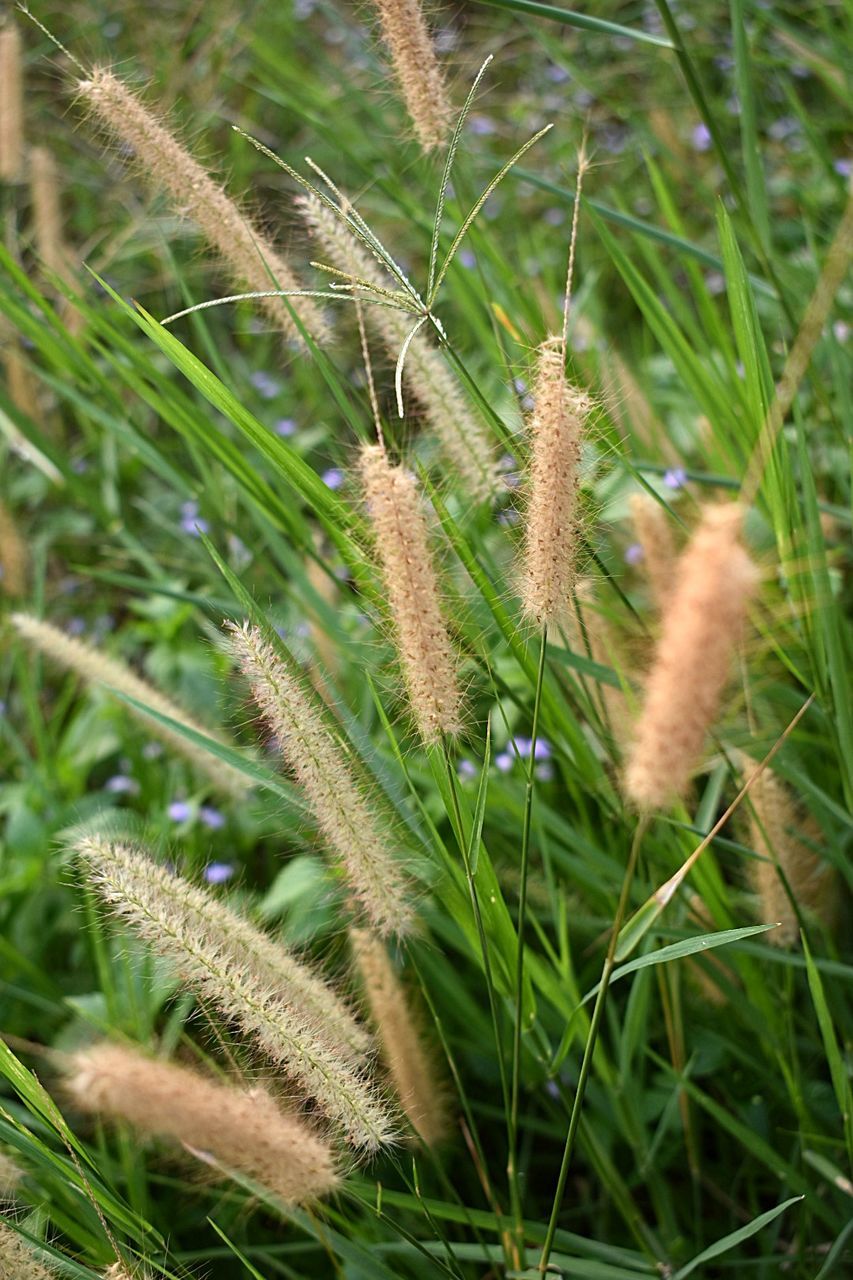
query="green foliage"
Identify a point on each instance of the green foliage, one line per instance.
(165, 478)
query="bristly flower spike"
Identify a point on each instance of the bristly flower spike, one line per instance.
(405, 32)
(252, 260)
(345, 814)
(216, 966)
(243, 1129)
(701, 627)
(427, 656)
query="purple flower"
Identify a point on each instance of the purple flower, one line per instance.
(180, 811)
(122, 785)
(633, 553)
(152, 751)
(284, 427)
(675, 478)
(503, 762)
(554, 217)
(265, 385)
(520, 386)
(557, 75)
(75, 626)
(542, 750)
(701, 137)
(211, 818)
(481, 125)
(841, 330)
(333, 477)
(545, 772)
(508, 517)
(466, 769)
(843, 167)
(218, 872)
(194, 525)
(467, 259)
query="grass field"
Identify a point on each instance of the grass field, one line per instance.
(444, 815)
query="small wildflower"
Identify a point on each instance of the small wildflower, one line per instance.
(675, 478)
(265, 385)
(285, 427)
(844, 168)
(122, 785)
(180, 811)
(333, 478)
(466, 769)
(503, 762)
(634, 553)
(218, 872)
(481, 126)
(701, 137)
(211, 818)
(467, 259)
(152, 751)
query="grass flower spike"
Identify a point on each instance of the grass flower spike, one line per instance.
(251, 259)
(405, 32)
(11, 104)
(402, 544)
(551, 535)
(222, 971)
(703, 622)
(463, 438)
(17, 1259)
(243, 1129)
(98, 668)
(654, 534)
(412, 1072)
(342, 811)
(786, 841)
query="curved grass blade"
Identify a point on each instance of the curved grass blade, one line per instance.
(581, 20)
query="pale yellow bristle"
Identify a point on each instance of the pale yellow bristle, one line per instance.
(653, 532)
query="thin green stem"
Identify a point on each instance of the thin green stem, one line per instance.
(589, 1048)
(512, 1163)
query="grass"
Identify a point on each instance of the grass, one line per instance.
(167, 478)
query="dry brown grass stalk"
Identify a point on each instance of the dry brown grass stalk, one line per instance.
(427, 656)
(243, 1129)
(253, 262)
(14, 556)
(653, 531)
(701, 627)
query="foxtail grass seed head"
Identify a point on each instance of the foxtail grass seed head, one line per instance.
(11, 104)
(343, 812)
(97, 668)
(702, 624)
(10, 1176)
(18, 1259)
(788, 842)
(557, 427)
(596, 634)
(427, 656)
(47, 214)
(208, 954)
(254, 264)
(243, 1129)
(419, 76)
(409, 1064)
(14, 556)
(463, 438)
(653, 533)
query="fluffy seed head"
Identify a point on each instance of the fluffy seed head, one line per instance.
(10, 1176)
(551, 536)
(97, 668)
(243, 1129)
(405, 32)
(17, 1259)
(47, 213)
(604, 649)
(253, 262)
(11, 104)
(344, 814)
(410, 1068)
(703, 621)
(463, 438)
(785, 838)
(653, 531)
(402, 544)
(14, 557)
(179, 926)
